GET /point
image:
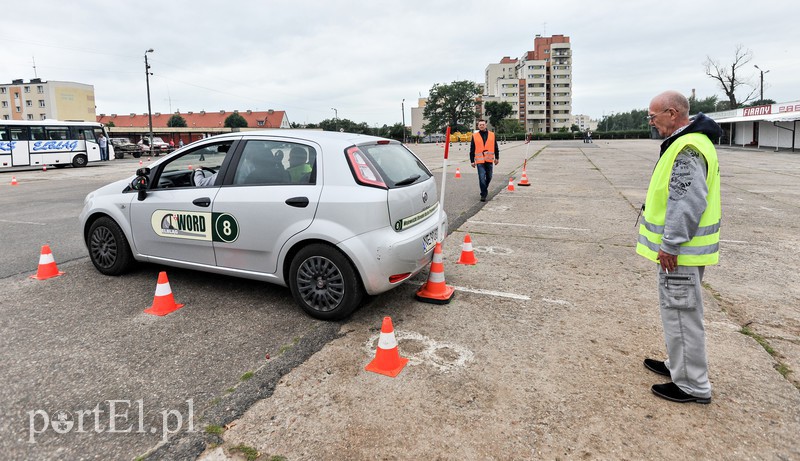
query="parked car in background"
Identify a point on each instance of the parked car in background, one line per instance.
(333, 216)
(159, 146)
(124, 146)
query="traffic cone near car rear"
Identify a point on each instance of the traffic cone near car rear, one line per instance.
(14, 181)
(47, 265)
(467, 255)
(511, 184)
(163, 302)
(435, 290)
(387, 359)
(458, 173)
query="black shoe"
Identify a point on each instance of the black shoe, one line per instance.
(483, 199)
(672, 392)
(657, 367)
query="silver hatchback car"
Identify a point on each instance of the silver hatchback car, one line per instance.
(330, 215)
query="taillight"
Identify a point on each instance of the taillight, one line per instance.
(363, 169)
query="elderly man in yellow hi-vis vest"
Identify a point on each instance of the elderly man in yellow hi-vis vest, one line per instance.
(483, 155)
(680, 232)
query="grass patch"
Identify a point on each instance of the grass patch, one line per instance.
(247, 376)
(230, 390)
(759, 339)
(278, 458)
(249, 452)
(214, 429)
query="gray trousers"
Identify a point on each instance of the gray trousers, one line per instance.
(681, 304)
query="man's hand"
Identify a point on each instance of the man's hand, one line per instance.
(668, 262)
(496, 161)
(473, 165)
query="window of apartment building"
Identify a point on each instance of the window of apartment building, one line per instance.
(42, 117)
(6, 117)
(30, 116)
(40, 89)
(27, 89)
(16, 96)
(5, 104)
(41, 103)
(28, 103)
(18, 109)
(3, 90)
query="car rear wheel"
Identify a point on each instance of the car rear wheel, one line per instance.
(324, 282)
(108, 247)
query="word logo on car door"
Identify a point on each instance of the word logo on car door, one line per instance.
(193, 225)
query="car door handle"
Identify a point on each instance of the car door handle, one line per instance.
(202, 201)
(299, 202)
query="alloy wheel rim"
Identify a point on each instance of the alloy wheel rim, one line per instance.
(320, 283)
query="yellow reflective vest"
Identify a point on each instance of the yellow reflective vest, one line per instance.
(703, 248)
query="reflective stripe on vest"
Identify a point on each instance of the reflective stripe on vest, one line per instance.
(703, 248)
(484, 152)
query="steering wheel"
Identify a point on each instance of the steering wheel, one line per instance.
(191, 174)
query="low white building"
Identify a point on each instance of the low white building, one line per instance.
(761, 126)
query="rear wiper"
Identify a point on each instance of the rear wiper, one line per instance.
(407, 181)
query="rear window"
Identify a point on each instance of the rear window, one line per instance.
(397, 165)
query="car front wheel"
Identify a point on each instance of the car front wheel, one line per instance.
(108, 247)
(324, 282)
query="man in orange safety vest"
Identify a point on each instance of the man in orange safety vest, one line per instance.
(483, 155)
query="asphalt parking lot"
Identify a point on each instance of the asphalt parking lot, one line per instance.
(537, 357)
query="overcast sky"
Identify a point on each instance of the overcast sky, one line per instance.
(364, 57)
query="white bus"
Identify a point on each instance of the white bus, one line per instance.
(50, 142)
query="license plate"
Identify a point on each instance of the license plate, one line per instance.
(429, 240)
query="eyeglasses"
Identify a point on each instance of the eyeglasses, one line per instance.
(650, 118)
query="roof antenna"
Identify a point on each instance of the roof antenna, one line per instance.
(33, 58)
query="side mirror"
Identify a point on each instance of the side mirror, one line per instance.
(141, 182)
(144, 171)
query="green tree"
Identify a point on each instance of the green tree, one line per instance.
(452, 105)
(497, 111)
(510, 125)
(110, 125)
(176, 121)
(235, 121)
(706, 105)
(574, 128)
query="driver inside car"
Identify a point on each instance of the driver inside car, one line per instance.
(204, 177)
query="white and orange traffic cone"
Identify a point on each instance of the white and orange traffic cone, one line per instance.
(387, 359)
(140, 163)
(458, 173)
(467, 254)
(163, 302)
(435, 290)
(47, 265)
(14, 181)
(524, 181)
(44, 167)
(511, 184)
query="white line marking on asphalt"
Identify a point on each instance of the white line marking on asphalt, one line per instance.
(493, 293)
(734, 241)
(765, 208)
(557, 301)
(530, 225)
(23, 222)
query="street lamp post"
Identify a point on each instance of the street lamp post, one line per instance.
(762, 81)
(335, 118)
(403, 110)
(149, 109)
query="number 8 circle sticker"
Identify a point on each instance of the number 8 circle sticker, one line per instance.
(226, 228)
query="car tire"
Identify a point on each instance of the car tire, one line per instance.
(136, 154)
(324, 282)
(108, 248)
(79, 161)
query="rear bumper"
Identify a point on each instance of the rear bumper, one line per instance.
(384, 253)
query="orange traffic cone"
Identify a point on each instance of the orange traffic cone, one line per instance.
(387, 359)
(47, 265)
(163, 301)
(140, 163)
(467, 255)
(511, 184)
(524, 181)
(435, 290)
(44, 167)
(458, 173)
(14, 181)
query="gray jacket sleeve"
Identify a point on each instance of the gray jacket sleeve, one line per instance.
(687, 199)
